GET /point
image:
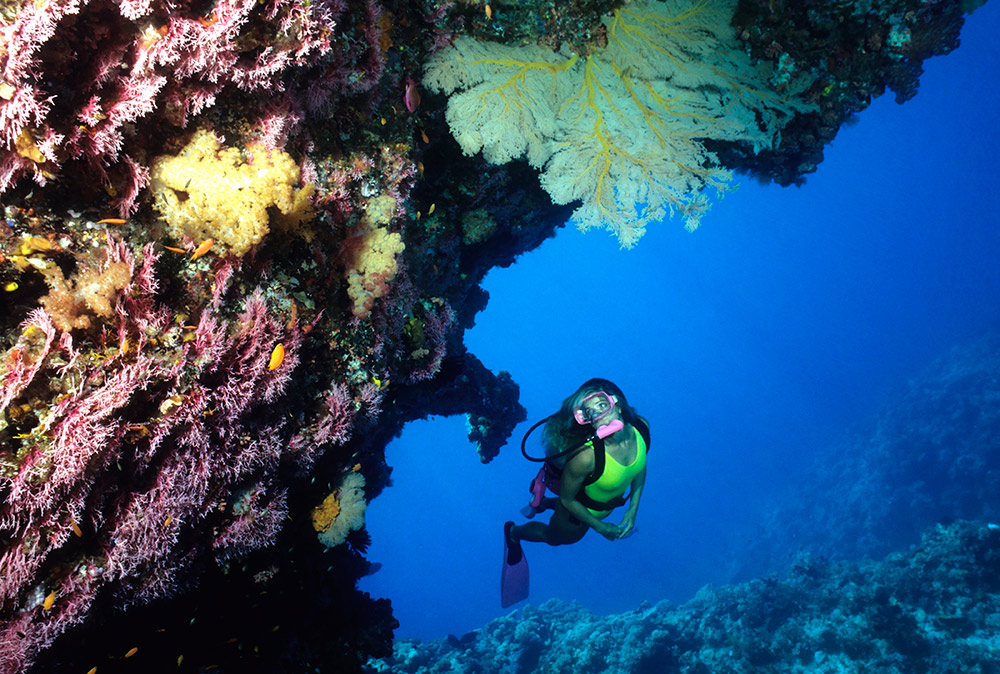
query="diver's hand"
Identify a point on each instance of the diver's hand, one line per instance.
(608, 530)
(627, 526)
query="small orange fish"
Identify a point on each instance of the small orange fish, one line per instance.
(112, 221)
(132, 651)
(176, 250)
(92, 670)
(489, 12)
(76, 528)
(49, 601)
(277, 356)
(205, 246)
(169, 519)
(423, 136)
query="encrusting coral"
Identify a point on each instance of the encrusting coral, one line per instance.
(212, 192)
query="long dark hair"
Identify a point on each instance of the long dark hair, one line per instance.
(561, 431)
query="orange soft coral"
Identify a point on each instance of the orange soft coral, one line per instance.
(89, 290)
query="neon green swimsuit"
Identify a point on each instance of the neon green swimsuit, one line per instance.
(616, 478)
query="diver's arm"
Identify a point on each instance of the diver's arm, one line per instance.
(628, 521)
(573, 476)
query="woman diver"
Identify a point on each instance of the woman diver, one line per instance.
(595, 448)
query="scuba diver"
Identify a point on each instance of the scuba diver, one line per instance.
(595, 452)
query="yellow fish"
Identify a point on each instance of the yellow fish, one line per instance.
(49, 601)
(277, 356)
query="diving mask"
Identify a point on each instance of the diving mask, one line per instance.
(594, 407)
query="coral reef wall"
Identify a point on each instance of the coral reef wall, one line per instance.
(239, 249)
(931, 609)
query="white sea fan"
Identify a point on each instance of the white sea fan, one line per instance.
(622, 130)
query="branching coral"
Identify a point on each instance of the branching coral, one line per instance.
(621, 129)
(211, 192)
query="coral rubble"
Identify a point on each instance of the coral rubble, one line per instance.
(931, 609)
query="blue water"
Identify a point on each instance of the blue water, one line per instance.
(788, 318)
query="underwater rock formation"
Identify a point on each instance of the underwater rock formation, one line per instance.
(931, 609)
(931, 456)
(183, 383)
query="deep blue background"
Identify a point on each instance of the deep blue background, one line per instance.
(789, 317)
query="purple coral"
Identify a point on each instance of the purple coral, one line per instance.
(188, 422)
(22, 367)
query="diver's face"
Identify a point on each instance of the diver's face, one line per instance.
(598, 408)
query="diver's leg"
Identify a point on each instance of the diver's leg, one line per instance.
(562, 529)
(535, 532)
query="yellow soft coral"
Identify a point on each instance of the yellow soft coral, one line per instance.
(371, 256)
(372, 267)
(210, 192)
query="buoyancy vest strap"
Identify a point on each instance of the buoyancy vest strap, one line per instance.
(599, 463)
